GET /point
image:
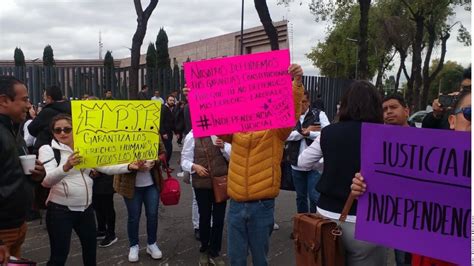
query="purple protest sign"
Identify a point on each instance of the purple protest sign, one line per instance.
(418, 191)
(240, 93)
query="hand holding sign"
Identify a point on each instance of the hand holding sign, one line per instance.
(73, 160)
(297, 73)
(358, 186)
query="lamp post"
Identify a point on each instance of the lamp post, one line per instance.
(242, 30)
(357, 54)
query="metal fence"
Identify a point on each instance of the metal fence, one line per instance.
(77, 81)
(330, 89)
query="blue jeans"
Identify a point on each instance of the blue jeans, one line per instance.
(305, 186)
(249, 226)
(150, 197)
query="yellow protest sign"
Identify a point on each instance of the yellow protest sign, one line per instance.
(115, 132)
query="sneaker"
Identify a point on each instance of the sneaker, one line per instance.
(108, 241)
(196, 234)
(133, 254)
(203, 259)
(180, 174)
(100, 235)
(217, 261)
(276, 226)
(154, 251)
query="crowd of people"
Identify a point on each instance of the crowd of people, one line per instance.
(325, 161)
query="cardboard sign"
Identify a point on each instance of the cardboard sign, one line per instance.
(241, 93)
(418, 191)
(115, 132)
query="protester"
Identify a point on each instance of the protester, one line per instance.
(15, 186)
(29, 139)
(103, 203)
(142, 188)
(306, 130)
(340, 145)
(55, 105)
(179, 122)
(167, 125)
(396, 112)
(108, 95)
(206, 160)
(157, 97)
(70, 194)
(459, 120)
(256, 156)
(438, 118)
(143, 94)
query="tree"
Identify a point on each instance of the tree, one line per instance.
(151, 66)
(432, 21)
(163, 62)
(336, 56)
(137, 41)
(330, 9)
(448, 80)
(19, 57)
(176, 76)
(48, 56)
(265, 18)
(109, 72)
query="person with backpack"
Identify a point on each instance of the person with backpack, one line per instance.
(306, 130)
(70, 196)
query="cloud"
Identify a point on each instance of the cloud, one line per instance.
(72, 27)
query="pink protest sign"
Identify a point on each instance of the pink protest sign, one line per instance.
(418, 195)
(241, 93)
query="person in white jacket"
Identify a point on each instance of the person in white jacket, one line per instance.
(70, 196)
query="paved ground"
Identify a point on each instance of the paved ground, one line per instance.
(175, 235)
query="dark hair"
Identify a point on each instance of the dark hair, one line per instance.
(170, 95)
(144, 87)
(60, 117)
(467, 73)
(460, 98)
(361, 102)
(396, 96)
(108, 90)
(55, 93)
(306, 93)
(6, 86)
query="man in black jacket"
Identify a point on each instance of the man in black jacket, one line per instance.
(15, 187)
(55, 105)
(167, 126)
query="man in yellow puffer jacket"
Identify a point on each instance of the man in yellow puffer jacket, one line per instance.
(254, 182)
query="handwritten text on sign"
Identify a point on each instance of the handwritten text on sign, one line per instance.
(241, 93)
(418, 191)
(115, 132)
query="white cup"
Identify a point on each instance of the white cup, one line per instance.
(28, 163)
(214, 138)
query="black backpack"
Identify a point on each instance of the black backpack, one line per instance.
(42, 193)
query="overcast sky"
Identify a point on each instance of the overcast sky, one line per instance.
(72, 27)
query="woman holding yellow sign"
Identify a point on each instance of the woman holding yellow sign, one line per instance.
(70, 196)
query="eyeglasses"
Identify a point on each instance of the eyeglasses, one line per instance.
(466, 111)
(58, 130)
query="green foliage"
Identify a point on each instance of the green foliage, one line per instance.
(151, 56)
(19, 57)
(162, 55)
(108, 60)
(48, 56)
(464, 36)
(448, 80)
(336, 55)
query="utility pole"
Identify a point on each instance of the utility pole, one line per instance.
(357, 56)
